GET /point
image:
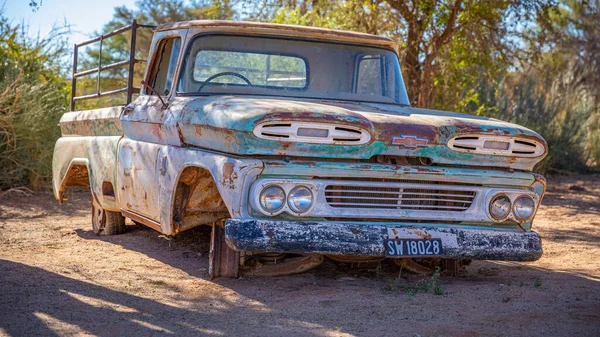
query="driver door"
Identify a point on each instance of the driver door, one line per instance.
(145, 129)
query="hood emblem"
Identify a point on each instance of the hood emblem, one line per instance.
(409, 141)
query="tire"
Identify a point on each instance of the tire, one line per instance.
(222, 260)
(106, 222)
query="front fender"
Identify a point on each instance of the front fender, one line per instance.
(231, 175)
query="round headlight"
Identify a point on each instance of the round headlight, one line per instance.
(500, 207)
(523, 208)
(300, 199)
(272, 198)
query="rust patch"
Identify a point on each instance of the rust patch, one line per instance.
(197, 200)
(78, 176)
(256, 28)
(422, 234)
(229, 175)
(539, 178)
(156, 130)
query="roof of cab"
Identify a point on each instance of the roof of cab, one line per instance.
(272, 29)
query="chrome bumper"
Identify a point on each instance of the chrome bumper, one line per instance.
(368, 239)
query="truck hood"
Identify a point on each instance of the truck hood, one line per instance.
(226, 124)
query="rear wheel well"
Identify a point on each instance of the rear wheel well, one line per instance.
(77, 176)
(197, 200)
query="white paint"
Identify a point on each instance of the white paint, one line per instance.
(335, 134)
(448, 239)
(478, 143)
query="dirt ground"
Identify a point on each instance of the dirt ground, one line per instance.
(58, 278)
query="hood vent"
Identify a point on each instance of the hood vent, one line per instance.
(318, 133)
(497, 145)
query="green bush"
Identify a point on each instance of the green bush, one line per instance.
(566, 117)
(33, 96)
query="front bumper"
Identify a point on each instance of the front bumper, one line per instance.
(368, 239)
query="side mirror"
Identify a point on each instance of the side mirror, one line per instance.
(164, 104)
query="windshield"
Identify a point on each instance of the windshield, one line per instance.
(217, 64)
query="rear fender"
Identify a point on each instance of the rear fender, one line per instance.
(97, 155)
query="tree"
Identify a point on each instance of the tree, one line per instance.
(35, 4)
(571, 32)
(157, 12)
(116, 48)
(33, 96)
(426, 29)
(566, 74)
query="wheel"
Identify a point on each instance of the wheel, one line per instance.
(222, 260)
(106, 222)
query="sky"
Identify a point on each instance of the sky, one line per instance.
(84, 16)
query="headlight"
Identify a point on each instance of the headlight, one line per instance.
(523, 208)
(500, 207)
(272, 198)
(300, 199)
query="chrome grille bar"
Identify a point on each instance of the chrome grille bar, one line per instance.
(412, 197)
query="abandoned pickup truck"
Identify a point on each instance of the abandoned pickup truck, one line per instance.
(297, 144)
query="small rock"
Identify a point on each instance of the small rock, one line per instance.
(577, 188)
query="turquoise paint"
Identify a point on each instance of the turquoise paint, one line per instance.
(225, 124)
(433, 173)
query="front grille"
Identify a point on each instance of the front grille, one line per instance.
(396, 198)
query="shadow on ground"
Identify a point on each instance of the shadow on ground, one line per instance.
(493, 298)
(36, 302)
(574, 196)
(43, 203)
(188, 251)
(369, 298)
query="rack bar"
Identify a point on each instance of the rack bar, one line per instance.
(106, 36)
(107, 67)
(130, 63)
(106, 93)
(74, 80)
(99, 65)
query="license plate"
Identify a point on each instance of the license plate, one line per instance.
(413, 247)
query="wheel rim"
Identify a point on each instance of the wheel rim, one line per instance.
(98, 217)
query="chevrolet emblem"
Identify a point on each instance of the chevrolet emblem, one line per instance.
(409, 141)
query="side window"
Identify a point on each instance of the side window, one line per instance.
(369, 81)
(163, 71)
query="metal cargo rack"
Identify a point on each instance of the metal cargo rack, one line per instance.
(130, 63)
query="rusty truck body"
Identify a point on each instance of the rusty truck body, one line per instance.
(299, 141)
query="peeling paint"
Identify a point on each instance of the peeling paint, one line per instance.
(197, 161)
(368, 240)
(207, 123)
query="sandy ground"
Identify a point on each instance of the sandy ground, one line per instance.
(58, 278)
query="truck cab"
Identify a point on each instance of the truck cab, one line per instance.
(299, 143)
